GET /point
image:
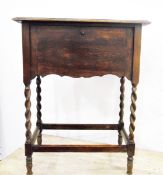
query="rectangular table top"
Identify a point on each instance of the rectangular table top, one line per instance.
(111, 21)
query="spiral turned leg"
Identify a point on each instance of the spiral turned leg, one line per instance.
(131, 145)
(121, 113)
(28, 128)
(39, 114)
(132, 115)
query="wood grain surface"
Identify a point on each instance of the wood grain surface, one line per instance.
(82, 51)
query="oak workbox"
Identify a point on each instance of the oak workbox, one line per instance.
(80, 48)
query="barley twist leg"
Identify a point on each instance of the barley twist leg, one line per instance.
(39, 114)
(131, 145)
(28, 127)
(121, 113)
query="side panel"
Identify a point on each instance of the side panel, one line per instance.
(136, 55)
(26, 52)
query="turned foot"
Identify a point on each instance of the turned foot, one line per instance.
(29, 165)
(129, 164)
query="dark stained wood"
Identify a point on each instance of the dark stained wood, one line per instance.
(28, 149)
(121, 112)
(34, 60)
(39, 106)
(86, 52)
(136, 56)
(80, 126)
(112, 21)
(79, 148)
(80, 48)
(26, 53)
(38, 98)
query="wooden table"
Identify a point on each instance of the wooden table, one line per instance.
(80, 48)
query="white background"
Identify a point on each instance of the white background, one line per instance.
(94, 100)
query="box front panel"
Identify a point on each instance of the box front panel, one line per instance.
(82, 51)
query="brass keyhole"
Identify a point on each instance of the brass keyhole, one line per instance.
(82, 33)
